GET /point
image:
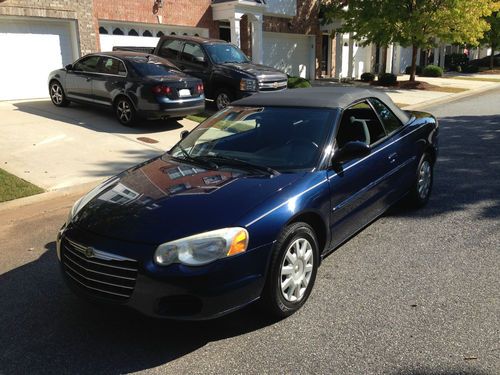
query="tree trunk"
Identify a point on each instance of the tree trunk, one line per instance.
(413, 70)
(492, 57)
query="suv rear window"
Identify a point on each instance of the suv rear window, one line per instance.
(170, 48)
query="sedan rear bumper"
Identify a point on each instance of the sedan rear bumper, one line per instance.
(180, 108)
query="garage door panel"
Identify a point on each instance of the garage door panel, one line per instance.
(289, 53)
(30, 51)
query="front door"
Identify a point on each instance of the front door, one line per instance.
(194, 61)
(79, 78)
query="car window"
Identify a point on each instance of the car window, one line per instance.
(114, 66)
(389, 119)
(170, 48)
(360, 123)
(226, 53)
(87, 64)
(193, 53)
(285, 139)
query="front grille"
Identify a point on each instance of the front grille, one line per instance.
(272, 85)
(97, 272)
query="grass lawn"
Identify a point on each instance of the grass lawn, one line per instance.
(12, 187)
(200, 117)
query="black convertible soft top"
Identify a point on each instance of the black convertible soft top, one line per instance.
(320, 97)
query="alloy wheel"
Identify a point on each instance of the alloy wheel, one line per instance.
(222, 100)
(424, 179)
(124, 111)
(296, 270)
(56, 94)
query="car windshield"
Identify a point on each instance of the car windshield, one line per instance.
(148, 67)
(265, 138)
(225, 53)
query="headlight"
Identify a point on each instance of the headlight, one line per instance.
(203, 248)
(74, 210)
(248, 84)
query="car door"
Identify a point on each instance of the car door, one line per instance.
(194, 61)
(356, 186)
(111, 78)
(79, 78)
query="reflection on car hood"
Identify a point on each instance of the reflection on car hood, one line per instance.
(165, 199)
(262, 72)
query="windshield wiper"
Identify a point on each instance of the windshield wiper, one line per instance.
(196, 160)
(241, 163)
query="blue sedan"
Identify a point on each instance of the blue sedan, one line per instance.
(246, 206)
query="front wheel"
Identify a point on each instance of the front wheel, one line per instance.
(57, 95)
(125, 112)
(223, 98)
(422, 187)
(292, 272)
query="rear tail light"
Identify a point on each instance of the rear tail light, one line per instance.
(162, 90)
(199, 88)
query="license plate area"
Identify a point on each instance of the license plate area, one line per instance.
(183, 93)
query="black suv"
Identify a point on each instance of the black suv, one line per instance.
(226, 71)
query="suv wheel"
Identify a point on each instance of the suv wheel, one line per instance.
(223, 98)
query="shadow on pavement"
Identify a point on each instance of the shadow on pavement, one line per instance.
(46, 329)
(468, 168)
(92, 117)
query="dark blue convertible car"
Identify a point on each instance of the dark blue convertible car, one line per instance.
(246, 206)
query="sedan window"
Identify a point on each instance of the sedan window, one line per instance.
(360, 123)
(112, 66)
(390, 121)
(151, 67)
(87, 64)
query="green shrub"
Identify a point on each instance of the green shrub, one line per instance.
(298, 82)
(456, 61)
(432, 71)
(368, 77)
(387, 79)
(471, 69)
(418, 70)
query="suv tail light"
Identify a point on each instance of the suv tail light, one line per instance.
(162, 90)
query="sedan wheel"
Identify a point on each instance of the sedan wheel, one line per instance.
(421, 191)
(57, 94)
(292, 272)
(125, 112)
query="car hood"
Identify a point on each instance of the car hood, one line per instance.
(262, 72)
(164, 199)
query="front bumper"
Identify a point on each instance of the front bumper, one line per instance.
(175, 291)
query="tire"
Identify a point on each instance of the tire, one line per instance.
(223, 98)
(125, 112)
(422, 187)
(281, 297)
(57, 94)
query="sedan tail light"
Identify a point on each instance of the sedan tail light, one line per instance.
(162, 90)
(199, 88)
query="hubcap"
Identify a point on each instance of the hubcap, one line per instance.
(222, 100)
(296, 270)
(424, 179)
(56, 93)
(124, 111)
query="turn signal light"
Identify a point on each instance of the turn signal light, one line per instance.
(162, 90)
(239, 244)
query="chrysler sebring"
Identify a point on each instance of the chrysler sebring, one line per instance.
(247, 205)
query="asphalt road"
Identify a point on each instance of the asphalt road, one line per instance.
(414, 293)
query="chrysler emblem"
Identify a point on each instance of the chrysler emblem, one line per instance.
(89, 252)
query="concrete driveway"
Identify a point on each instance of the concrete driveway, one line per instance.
(56, 148)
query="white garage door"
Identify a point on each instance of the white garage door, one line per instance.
(291, 53)
(30, 50)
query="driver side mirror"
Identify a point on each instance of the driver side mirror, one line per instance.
(351, 150)
(69, 67)
(184, 134)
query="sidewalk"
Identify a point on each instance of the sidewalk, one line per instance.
(467, 84)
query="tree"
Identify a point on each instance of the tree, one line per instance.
(415, 23)
(492, 36)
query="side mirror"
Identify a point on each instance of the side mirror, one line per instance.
(350, 151)
(69, 67)
(184, 134)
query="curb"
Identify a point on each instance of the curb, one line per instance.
(80, 189)
(451, 98)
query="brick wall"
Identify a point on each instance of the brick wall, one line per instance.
(194, 13)
(81, 11)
